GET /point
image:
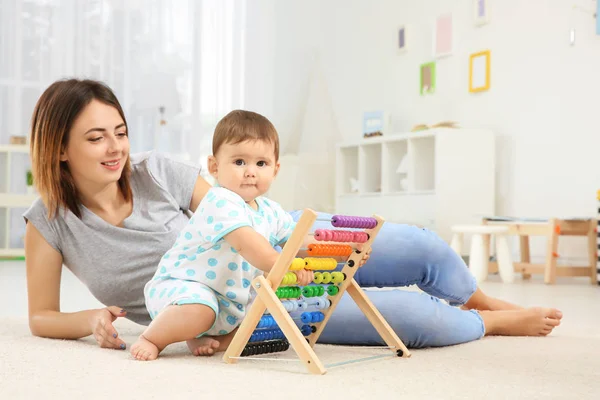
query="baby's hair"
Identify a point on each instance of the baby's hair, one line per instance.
(240, 125)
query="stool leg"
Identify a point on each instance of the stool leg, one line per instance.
(505, 265)
(457, 243)
(524, 245)
(551, 253)
(478, 259)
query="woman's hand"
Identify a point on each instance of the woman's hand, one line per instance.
(304, 277)
(103, 330)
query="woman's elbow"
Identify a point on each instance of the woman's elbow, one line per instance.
(36, 326)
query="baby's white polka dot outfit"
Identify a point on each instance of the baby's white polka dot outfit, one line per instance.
(202, 268)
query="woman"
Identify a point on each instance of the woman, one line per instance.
(110, 217)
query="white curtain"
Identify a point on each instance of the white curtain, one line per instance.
(177, 66)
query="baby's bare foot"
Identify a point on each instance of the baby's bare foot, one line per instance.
(528, 322)
(204, 346)
(144, 350)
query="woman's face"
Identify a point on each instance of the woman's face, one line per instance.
(98, 146)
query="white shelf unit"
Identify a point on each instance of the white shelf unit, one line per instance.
(434, 178)
(10, 200)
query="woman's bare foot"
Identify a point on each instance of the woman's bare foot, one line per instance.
(144, 350)
(209, 345)
(481, 301)
(527, 322)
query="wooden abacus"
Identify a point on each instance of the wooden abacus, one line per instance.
(269, 294)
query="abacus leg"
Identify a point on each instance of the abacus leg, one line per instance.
(376, 319)
(288, 326)
(244, 332)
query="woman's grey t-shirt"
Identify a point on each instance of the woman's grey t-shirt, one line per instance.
(116, 262)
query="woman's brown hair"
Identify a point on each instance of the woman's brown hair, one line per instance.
(54, 114)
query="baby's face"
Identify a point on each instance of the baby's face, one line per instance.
(246, 168)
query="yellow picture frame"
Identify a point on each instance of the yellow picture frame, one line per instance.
(479, 71)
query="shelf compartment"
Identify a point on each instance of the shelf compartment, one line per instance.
(369, 173)
(396, 167)
(347, 169)
(422, 161)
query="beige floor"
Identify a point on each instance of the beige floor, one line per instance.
(565, 365)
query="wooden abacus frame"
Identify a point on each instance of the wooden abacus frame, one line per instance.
(267, 299)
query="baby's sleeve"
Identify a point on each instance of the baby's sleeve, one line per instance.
(220, 212)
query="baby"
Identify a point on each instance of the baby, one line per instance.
(202, 285)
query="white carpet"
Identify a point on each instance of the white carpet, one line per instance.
(565, 365)
(557, 367)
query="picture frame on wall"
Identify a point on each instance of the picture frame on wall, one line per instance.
(481, 12)
(443, 36)
(401, 39)
(427, 78)
(479, 71)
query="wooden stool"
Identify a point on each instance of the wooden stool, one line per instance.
(551, 228)
(479, 257)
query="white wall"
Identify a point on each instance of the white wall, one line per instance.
(542, 103)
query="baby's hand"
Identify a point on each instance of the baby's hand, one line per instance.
(366, 255)
(304, 277)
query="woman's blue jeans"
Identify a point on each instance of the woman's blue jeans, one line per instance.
(404, 255)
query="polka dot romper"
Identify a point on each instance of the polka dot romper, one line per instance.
(201, 268)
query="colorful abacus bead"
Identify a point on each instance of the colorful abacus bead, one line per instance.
(340, 236)
(273, 346)
(312, 317)
(323, 304)
(289, 278)
(306, 330)
(344, 221)
(329, 250)
(266, 321)
(294, 305)
(360, 237)
(313, 291)
(320, 263)
(318, 277)
(297, 264)
(266, 334)
(289, 292)
(337, 277)
(332, 290)
(319, 303)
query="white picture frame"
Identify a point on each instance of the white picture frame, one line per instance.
(481, 12)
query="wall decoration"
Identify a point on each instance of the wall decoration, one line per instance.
(442, 45)
(597, 17)
(428, 78)
(373, 123)
(481, 12)
(401, 37)
(479, 71)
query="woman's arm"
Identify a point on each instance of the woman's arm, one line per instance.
(44, 267)
(200, 189)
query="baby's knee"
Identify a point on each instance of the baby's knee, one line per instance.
(199, 314)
